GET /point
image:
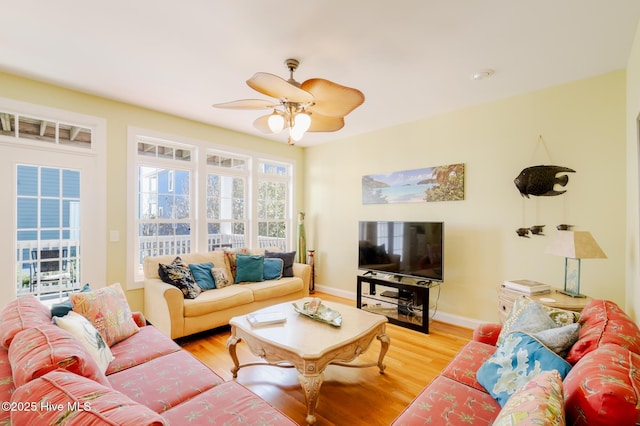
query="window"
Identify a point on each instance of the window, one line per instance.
(192, 197)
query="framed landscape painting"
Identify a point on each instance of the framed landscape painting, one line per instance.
(442, 183)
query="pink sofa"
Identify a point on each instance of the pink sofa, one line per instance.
(602, 386)
(151, 380)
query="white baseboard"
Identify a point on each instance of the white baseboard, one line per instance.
(453, 319)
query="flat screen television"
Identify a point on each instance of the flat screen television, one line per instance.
(402, 249)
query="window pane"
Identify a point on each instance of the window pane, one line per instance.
(50, 182)
(7, 124)
(70, 184)
(27, 180)
(27, 213)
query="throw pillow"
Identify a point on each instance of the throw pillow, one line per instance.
(202, 274)
(231, 258)
(539, 402)
(561, 316)
(559, 339)
(526, 315)
(516, 361)
(220, 277)
(273, 268)
(82, 329)
(63, 308)
(36, 351)
(19, 314)
(250, 268)
(85, 402)
(179, 275)
(287, 257)
(108, 310)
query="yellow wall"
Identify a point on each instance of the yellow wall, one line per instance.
(633, 217)
(119, 116)
(583, 127)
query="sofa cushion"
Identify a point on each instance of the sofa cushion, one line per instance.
(447, 402)
(178, 274)
(604, 322)
(603, 388)
(6, 385)
(273, 268)
(539, 402)
(516, 360)
(77, 400)
(218, 300)
(36, 351)
(202, 274)
(249, 268)
(275, 288)
(147, 344)
(229, 403)
(21, 313)
(466, 363)
(217, 257)
(166, 381)
(82, 329)
(526, 315)
(288, 257)
(108, 310)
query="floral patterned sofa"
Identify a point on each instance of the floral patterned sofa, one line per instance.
(57, 374)
(542, 366)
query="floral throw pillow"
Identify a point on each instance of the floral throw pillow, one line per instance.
(108, 310)
(539, 402)
(517, 360)
(178, 274)
(220, 277)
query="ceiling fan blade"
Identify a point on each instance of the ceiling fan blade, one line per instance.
(277, 87)
(322, 123)
(247, 104)
(332, 99)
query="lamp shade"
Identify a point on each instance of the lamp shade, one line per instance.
(575, 245)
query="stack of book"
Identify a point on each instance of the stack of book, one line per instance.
(266, 318)
(527, 286)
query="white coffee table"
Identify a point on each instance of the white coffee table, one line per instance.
(310, 345)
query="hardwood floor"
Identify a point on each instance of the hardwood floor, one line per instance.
(349, 396)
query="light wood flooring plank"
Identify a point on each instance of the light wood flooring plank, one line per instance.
(349, 396)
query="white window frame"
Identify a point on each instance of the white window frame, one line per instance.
(92, 164)
(198, 189)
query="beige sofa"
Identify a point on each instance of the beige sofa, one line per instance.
(166, 308)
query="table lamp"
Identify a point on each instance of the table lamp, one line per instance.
(574, 246)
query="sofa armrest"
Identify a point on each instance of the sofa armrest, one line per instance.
(303, 271)
(487, 333)
(164, 307)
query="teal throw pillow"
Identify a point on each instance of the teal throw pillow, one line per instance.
(63, 308)
(518, 359)
(273, 268)
(202, 274)
(249, 268)
(287, 256)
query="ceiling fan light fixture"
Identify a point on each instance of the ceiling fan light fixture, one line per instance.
(302, 122)
(276, 122)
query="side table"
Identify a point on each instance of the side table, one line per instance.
(507, 297)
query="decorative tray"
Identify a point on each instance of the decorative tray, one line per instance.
(319, 312)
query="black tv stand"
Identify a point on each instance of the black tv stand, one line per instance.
(409, 308)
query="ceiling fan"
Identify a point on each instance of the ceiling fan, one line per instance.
(316, 105)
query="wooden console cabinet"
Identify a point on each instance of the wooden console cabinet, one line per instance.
(507, 297)
(403, 303)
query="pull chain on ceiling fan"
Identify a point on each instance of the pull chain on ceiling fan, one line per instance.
(316, 105)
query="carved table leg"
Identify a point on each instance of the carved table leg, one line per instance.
(231, 346)
(384, 347)
(311, 387)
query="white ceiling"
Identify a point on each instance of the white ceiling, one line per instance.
(411, 58)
